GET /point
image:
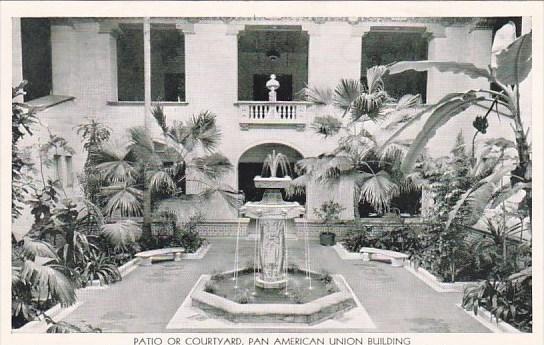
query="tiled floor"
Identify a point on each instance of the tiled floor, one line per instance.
(147, 299)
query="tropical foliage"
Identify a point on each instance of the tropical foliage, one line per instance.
(511, 64)
(507, 299)
(22, 119)
(359, 156)
(134, 173)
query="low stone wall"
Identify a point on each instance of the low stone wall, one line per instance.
(228, 228)
(222, 228)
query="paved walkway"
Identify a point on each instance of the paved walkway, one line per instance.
(147, 298)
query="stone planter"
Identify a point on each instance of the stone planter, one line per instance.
(327, 239)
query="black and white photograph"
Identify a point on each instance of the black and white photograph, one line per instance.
(336, 177)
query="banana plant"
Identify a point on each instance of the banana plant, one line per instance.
(511, 60)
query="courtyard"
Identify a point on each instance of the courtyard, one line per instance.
(147, 299)
(365, 155)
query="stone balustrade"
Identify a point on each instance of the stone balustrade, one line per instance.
(255, 113)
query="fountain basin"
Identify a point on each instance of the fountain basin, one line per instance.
(272, 182)
(319, 309)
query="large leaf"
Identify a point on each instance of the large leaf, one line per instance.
(213, 166)
(122, 233)
(161, 181)
(514, 63)
(49, 279)
(326, 125)
(202, 131)
(346, 93)
(318, 95)
(478, 197)
(440, 116)
(465, 68)
(143, 147)
(113, 163)
(32, 248)
(377, 189)
(374, 79)
(126, 199)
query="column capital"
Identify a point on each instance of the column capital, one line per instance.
(233, 29)
(359, 30)
(109, 27)
(186, 28)
(435, 31)
(313, 28)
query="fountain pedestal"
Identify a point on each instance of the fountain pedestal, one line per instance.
(272, 212)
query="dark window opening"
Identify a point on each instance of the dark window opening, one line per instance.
(499, 22)
(382, 48)
(282, 51)
(36, 57)
(246, 173)
(167, 64)
(405, 203)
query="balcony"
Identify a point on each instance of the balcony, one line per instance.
(262, 114)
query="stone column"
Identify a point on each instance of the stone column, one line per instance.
(64, 58)
(334, 48)
(211, 55)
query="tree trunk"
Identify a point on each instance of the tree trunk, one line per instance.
(522, 172)
(146, 228)
(356, 214)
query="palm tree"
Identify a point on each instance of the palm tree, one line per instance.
(359, 156)
(137, 171)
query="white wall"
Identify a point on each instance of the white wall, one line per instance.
(84, 66)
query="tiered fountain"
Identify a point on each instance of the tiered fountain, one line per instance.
(272, 289)
(272, 214)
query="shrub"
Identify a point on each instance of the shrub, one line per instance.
(509, 299)
(355, 240)
(329, 212)
(186, 236)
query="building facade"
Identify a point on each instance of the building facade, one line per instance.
(92, 68)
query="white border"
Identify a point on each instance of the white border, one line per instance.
(269, 9)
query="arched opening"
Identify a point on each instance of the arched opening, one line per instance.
(250, 165)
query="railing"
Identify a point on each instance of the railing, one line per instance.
(272, 113)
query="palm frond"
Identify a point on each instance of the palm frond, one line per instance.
(160, 117)
(112, 163)
(318, 95)
(143, 147)
(377, 189)
(123, 198)
(298, 185)
(368, 105)
(374, 79)
(478, 197)
(203, 131)
(227, 193)
(346, 93)
(212, 166)
(32, 248)
(122, 233)
(49, 278)
(408, 101)
(161, 181)
(326, 125)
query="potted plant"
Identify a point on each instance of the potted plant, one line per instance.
(329, 212)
